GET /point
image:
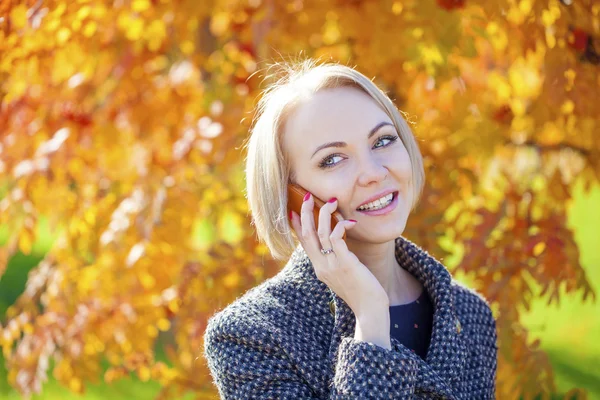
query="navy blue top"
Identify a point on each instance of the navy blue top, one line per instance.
(411, 324)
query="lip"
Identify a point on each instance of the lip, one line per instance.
(376, 197)
(388, 209)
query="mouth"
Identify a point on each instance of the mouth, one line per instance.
(383, 210)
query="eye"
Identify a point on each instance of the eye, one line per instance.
(390, 138)
(326, 164)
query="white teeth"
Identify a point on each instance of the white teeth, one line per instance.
(377, 204)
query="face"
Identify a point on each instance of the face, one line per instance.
(369, 161)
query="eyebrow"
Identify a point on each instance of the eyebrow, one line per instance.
(344, 144)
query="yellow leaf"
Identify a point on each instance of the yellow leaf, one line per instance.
(133, 26)
(155, 34)
(89, 29)
(518, 107)
(144, 373)
(187, 47)
(550, 39)
(550, 16)
(219, 23)
(18, 16)
(89, 349)
(63, 35)
(147, 280)
(135, 29)
(99, 11)
(498, 37)
(99, 345)
(126, 346)
(26, 238)
(431, 55)
(28, 328)
(397, 8)
(331, 32)
(524, 79)
(163, 324)
(551, 134)
(525, 6)
(140, 5)
(76, 25)
(12, 376)
(261, 249)
(83, 12)
(60, 9)
(173, 306)
(90, 216)
(539, 248)
(232, 279)
(186, 359)
(152, 331)
(417, 33)
(567, 107)
(75, 385)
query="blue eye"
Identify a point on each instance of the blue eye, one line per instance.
(324, 162)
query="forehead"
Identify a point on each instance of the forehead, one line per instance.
(333, 114)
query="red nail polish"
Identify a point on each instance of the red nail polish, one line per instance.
(352, 220)
(307, 196)
(291, 215)
(332, 200)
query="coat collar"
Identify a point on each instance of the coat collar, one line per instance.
(447, 351)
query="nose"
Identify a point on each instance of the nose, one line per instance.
(372, 169)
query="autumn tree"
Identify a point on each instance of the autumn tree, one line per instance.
(122, 123)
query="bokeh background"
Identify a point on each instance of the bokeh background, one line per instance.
(123, 221)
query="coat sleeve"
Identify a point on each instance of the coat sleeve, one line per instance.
(247, 363)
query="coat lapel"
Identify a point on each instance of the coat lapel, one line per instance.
(447, 351)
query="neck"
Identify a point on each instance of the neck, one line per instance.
(400, 286)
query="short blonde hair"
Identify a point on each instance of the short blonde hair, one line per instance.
(267, 165)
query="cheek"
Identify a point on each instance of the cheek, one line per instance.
(403, 165)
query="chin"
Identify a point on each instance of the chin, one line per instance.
(379, 234)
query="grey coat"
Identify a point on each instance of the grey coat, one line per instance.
(284, 339)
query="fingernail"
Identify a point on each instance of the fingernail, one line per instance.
(352, 220)
(307, 196)
(332, 200)
(291, 215)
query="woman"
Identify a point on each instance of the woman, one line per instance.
(369, 317)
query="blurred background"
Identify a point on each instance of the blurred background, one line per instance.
(123, 221)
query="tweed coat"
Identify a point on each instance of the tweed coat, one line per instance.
(292, 337)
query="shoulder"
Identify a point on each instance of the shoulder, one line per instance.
(289, 300)
(251, 309)
(471, 307)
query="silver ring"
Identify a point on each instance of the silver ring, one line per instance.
(326, 251)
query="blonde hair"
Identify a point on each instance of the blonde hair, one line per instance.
(267, 165)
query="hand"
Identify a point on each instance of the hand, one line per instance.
(341, 270)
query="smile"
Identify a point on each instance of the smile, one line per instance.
(380, 207)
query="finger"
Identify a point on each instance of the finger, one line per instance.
(337, 236)
(295, 222)
(307, 223)
(324, 228)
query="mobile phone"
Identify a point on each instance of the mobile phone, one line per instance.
(296, 195)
